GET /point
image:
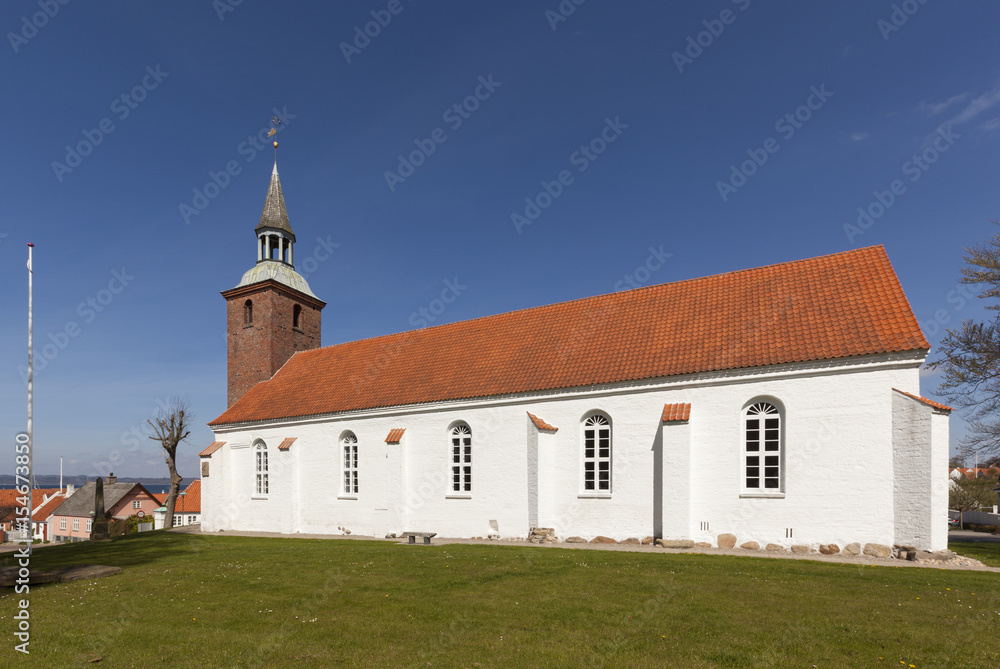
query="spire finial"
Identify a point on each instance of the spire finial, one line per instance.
(275, 121)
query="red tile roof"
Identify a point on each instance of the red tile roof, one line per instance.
(395, 435)
(212, 448)
(42, 514)
(676, 412)
(930, 403)
(836, 306)
(287, 443)
(9, 503)
(192, 500)
(541, 424)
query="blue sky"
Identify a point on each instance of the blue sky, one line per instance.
(132, 248)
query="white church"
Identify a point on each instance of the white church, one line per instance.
(778, 404)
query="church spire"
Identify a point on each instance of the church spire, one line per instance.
(274, 233)
(274, 215)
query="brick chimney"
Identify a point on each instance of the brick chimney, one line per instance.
(111, 478)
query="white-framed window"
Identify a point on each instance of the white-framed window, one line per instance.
(461, 459)
(191, 520)
(260, 469)
(76, 524)
(349, 449)
(762, 448)
(136, 504)
(597, 454)
(178, 520)
(90, 524)
(62, 523)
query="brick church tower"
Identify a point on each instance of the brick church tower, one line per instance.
(271, 313)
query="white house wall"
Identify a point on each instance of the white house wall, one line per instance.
(838, 465)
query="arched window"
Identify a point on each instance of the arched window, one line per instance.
(461, 458)
(762, 453)
(260, 467)
(349, 446)
(597, 454)
(297, 317)
(248, 312)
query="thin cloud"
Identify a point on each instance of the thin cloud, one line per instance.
(935, 108)
(858, 136)
(986, 101)
(991, 125)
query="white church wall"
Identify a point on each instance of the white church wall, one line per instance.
(838, 465)
(838, 468)
(938, 512)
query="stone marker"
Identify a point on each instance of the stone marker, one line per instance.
(99, 528)
(727, 540)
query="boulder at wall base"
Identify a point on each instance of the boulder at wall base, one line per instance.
(878, 550)
(800, 549)
(576, 540)
(603, 540)
(647, 541)
(829, 549)
(775, 548)
(703, 544)
(632, 541)
(675, 543)
(852, 549)
(750, 546)
(727, 540)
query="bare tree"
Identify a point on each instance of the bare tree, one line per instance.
(171, 426)
(970, 361)
(965, 494)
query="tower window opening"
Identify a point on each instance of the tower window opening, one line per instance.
(248, 312)
(297, 317)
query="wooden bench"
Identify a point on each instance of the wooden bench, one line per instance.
(426, 535)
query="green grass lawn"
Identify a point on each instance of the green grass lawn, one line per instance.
(987, 553)
(194, 601)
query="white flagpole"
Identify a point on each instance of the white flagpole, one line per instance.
(31, 397)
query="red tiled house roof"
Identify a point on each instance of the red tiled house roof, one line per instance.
(9, 503)
(836, 306)
(192, 501)
(42, 513)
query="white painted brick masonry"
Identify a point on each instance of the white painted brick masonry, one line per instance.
(862, 463)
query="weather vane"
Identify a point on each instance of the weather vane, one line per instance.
(275, 121)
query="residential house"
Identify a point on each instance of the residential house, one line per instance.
(187, 509)
(72, 520)
(9, 504)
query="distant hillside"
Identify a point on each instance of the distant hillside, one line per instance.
(52, 480)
